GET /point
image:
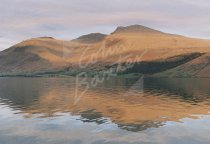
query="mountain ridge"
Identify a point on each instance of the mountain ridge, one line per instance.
(46, 55)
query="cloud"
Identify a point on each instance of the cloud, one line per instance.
(67, 19)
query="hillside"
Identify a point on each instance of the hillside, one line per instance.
(144, 47)
(199, 67)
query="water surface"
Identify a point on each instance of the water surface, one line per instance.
(114, 111)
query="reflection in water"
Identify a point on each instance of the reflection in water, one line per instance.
(120, 102)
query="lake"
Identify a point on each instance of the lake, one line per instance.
(112, 111)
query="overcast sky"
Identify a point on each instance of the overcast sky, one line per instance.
(67, 19)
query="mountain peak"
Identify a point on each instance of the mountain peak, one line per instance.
(135, 29)
(91, 38)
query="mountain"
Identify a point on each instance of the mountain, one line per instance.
(149, 51)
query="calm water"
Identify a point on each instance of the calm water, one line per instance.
(116, 111)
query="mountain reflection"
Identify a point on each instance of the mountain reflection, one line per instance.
(123, 101)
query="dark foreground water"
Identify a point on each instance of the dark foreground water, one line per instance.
(116, 111)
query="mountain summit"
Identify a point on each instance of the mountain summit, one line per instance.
(135, 29)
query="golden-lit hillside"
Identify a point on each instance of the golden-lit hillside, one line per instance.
(133, 44)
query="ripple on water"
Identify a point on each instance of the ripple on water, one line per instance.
(120, 108)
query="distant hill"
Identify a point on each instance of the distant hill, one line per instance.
(151, 51)
(91, 38)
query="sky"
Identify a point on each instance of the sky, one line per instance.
(69, 19)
